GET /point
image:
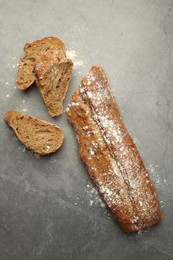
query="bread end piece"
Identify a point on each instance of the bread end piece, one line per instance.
(37, 135)
(9, 115)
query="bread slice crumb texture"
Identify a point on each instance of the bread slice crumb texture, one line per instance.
(53, 84)
(37, 135)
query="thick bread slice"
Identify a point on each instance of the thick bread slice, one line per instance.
(33, 51)
(37, 135)
(110, 155)
(46, 63)
(53, 76)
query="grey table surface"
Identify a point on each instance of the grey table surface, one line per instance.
(49, 209)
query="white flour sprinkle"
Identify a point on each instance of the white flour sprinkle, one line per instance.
(94, 197)
(47, 147)
(78, 64)
(85, 128)
(71, 53)
(7, 96)
(153, 174)
(91, 151)
(24, 110)
(74, 104)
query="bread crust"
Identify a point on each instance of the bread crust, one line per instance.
(110, 155)
(37, 135)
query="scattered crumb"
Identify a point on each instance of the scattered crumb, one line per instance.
(91, 203)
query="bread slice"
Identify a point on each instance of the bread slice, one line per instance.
(53, 72)
(110, 155)
(33, 51)
(45, 63)
(37, 135)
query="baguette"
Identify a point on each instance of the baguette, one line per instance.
(110, 155)
(45, 63)
(37, 135)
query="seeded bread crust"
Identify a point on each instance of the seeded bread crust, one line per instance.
(45, 63)
(37, 135)
(110, 155)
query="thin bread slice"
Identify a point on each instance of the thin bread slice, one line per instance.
(53, 76)
(37, 135)
(33, 51)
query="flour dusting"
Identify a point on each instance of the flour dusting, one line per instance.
(153, 173)
(71, 54)
(94, 196)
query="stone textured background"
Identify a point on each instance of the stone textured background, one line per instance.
(49, 209)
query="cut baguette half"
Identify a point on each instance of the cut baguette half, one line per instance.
(37, 135)
(110, 155)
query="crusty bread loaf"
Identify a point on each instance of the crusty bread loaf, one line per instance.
(37, 135)
(110, 155)
(45, 63)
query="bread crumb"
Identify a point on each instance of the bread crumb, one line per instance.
(91, 203)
